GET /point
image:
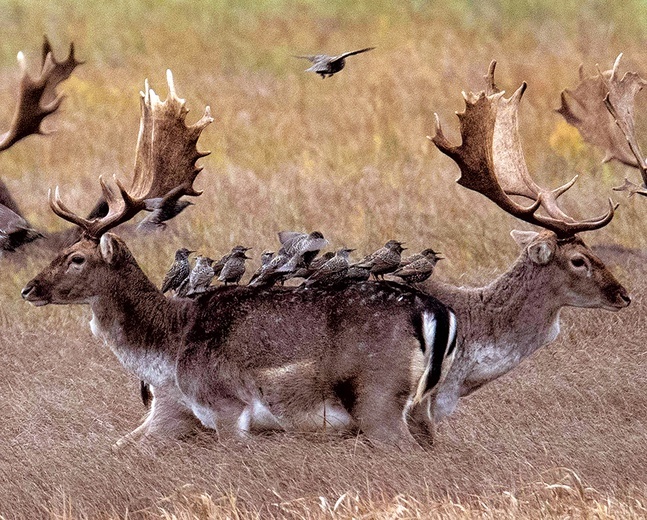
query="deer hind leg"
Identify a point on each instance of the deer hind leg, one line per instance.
(421, 424)
(381, 417)
(168, 418)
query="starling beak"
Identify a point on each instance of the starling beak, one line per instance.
(325, 65)
(179, 270)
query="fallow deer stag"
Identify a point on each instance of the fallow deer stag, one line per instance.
(37, 100)
(601, 107)
(504, 322)
(240, 359)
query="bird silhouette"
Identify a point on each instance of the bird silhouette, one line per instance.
(326, 66)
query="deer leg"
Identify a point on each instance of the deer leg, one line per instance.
(381, 417)
(421, 424)
(167, 418)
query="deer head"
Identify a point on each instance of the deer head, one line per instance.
(491, 162)
(165, 162)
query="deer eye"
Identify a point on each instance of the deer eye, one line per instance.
(77, 259)
(578, 262)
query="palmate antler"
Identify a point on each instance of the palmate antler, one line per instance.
(165, 162)
(601, 107)
(38, 97)
(492, 163)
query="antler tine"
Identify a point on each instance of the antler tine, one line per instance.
(62, 211)
(491, 161)
(60, 72)
(37, 97)
(490, 86)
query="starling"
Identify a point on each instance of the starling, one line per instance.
(268, 274)
(423, 254)
(178, 271)
(163, 209)
(325, 65)
(234, 268)
(383, 261)
(357, 274)
(14, 230)
(217, 267)
(305, 272)
(201, 276)
(305, 246)
(420, 269)
(333, 271)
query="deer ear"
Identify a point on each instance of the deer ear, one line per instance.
(540, 250)
(523, 238)
(109, 245)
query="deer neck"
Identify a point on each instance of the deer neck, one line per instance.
(139, 324)
(518, 311)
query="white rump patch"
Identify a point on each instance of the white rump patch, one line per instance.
(429, 335)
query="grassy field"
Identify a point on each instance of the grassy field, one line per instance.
(562, 436)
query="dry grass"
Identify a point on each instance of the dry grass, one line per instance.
(348, 156)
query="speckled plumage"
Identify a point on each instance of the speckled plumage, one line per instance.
(383, 261)
(179, 270)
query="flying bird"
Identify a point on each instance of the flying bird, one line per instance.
(163, 209)
(325, 65)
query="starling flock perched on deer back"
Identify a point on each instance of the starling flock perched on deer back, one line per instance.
(298, 258)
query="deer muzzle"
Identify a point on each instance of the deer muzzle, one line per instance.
(32, 293)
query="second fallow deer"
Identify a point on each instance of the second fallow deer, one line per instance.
(504, 322)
